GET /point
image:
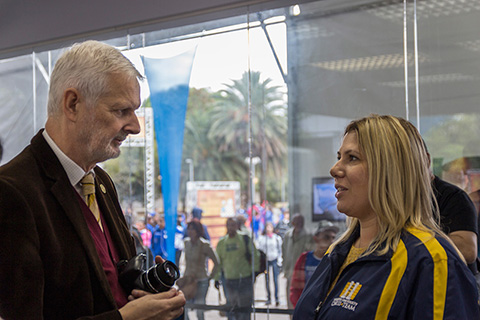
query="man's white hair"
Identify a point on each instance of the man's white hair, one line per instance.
(86, 67)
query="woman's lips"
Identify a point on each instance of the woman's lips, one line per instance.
(340, 190)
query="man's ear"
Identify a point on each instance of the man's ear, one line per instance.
(71, 103)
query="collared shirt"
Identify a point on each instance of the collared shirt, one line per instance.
(103, 243)
(74, 172)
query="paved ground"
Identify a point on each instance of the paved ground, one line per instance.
(260, 299)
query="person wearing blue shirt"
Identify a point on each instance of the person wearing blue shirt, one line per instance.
(151, 224)
(159, 238)
(197, 214)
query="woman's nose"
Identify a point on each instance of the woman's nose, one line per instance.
(334, 171)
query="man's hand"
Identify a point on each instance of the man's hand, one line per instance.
(160, 306)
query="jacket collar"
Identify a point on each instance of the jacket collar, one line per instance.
(342, 249)
(59, 184)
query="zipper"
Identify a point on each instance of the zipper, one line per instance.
(320, 304)
(317, 309)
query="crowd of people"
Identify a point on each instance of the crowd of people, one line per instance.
(289, 248)
(409, 250)
(383, 233)
(284, 247)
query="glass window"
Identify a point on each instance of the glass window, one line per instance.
(270, 94)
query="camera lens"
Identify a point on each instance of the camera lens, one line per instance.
(171, 272)
(161, 277)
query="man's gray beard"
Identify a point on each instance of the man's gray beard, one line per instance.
(97, 155)
(105, 154)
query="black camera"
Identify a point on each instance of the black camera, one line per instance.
(159, 278)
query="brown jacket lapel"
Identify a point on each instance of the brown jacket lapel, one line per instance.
(65, 195)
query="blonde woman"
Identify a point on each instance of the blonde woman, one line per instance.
(393, 261)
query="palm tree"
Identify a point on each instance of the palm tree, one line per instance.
(210, 163)
(230, 123)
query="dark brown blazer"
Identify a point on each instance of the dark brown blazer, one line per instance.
(49, 267)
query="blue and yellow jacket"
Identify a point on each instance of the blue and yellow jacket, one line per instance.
(423, 279)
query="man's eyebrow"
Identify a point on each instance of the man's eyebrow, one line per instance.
(122, 105)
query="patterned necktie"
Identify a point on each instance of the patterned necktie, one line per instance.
(88, 191)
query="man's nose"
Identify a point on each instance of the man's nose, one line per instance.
(133, 126)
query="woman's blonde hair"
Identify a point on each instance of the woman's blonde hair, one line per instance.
(399, 181)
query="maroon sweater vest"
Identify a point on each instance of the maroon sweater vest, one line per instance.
(106, 252)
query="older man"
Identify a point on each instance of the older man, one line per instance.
(62, 228)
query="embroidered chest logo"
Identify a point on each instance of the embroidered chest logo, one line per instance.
(345, 300)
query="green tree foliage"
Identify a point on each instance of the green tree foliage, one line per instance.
(230, 124)
(449, 138)
(209, 161)
(128, 173)
(216, 139)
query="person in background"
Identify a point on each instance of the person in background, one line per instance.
(145, 234)
(271, 244)
(308, 261)
(197, 214)
(140, 245)
(63, 230)
(151, 223)
(268, 214)
(458, 218)
(233, 253)
(179, 236)
(242, 228)
(393, 261)
(296, 241)
(475, 197)
(258, 219)
(282, 225)
(197, 252)
(159, 237)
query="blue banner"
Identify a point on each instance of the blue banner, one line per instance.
(168, 80)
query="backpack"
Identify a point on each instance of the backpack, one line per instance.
(263, 256)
